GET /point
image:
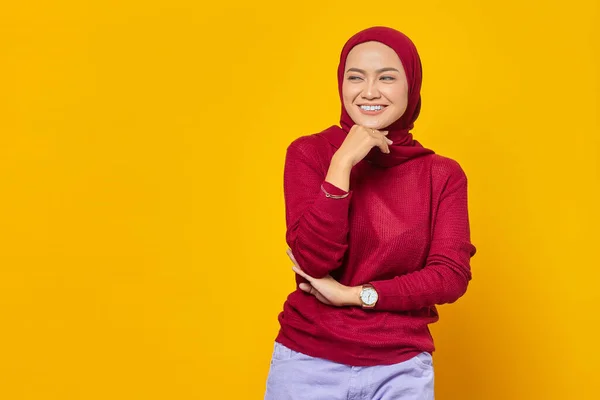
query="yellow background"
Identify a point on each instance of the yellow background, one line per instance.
(142, 228)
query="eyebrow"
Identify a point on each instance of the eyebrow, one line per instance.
(362, 71)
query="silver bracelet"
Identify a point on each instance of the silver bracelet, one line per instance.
(334, 196)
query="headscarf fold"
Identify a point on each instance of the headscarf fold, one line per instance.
(404, 147)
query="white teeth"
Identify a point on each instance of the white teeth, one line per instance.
(371, 108)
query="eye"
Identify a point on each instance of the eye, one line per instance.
(388, 78)
(354, 78)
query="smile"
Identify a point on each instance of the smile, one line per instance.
(371, 109)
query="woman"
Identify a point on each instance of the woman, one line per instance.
(379, 234)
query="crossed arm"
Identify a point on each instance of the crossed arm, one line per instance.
(318, 230)
(327, 290)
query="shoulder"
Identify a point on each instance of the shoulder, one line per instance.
(313, 150)
(445, 166)
(445, 171)
(308, 144)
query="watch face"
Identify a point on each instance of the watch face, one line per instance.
(368, 296)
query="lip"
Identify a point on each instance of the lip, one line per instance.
(374, 112)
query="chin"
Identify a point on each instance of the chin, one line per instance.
(377, 127)
(373, 124)
(377, 122)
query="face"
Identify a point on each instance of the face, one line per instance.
(375, 89)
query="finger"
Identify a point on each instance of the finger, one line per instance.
(308, 288)
(387, 142)
(305, 287)
(377, 132)
(381, 135)
(302, 273)
(321, 298)
(382, 143)
(291, 256)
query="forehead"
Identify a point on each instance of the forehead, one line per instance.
(373, 53)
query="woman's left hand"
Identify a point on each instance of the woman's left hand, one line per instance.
(327, 290)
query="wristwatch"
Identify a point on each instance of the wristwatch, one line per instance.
(368, 296)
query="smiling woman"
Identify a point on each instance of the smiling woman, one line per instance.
(375, 90)
(378, 231)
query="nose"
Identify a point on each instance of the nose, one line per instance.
(371, 90)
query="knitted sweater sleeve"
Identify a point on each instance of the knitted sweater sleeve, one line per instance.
(447, 272)
(317, 225)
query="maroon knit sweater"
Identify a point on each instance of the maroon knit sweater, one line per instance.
(404, 229)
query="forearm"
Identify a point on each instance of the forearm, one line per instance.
(319, 240)
(317, 224)
(433, 285)
(352, 296)
(339, 172)
(414, 291)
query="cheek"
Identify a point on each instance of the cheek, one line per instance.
(349, 93)
(398, 95)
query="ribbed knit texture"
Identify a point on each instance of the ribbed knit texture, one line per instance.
(404, 229)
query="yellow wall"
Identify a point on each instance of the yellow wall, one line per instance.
(142, 243)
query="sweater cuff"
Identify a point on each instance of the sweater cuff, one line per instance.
(388, 296)
(334, 190)
(332, 214)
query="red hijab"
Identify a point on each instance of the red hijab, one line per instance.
(404, 147)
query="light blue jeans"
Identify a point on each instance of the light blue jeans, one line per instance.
(297, 376)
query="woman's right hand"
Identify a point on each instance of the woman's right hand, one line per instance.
(360, 141)
(357, 144)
